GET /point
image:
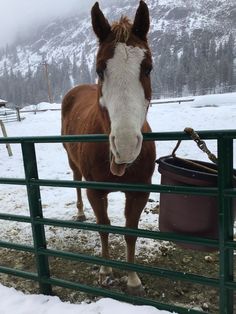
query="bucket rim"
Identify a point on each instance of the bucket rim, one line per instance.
(165, 164)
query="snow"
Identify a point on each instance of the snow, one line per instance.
(13, 301)
(204, 113)
(42, 106)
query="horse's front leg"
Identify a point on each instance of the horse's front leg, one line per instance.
(77, 175)
(98, 201)
(135, 203)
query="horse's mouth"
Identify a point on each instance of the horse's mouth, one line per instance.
(117, 169)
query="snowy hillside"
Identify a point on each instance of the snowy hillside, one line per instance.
(192, 42)
(73, 35)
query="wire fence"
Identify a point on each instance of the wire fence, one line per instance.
(198, 92)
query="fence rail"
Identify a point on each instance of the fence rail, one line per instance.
(171, 101)
(226, 245)
(10, 115)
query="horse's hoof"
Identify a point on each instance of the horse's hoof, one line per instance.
(80, 218)
(106, 280)
(136, 291)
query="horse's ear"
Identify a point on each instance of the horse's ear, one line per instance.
(141, 22)
(100, 24)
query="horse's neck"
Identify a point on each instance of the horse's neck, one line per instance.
(101, 119)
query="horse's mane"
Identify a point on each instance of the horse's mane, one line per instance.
(122, 29)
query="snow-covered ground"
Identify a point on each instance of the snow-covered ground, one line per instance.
(15, 302)
(204, 113)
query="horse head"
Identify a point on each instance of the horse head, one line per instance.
(123, 67)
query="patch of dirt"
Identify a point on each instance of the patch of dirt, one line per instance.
(163, 254)
(166, 256)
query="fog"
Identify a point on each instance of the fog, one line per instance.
(18, 17)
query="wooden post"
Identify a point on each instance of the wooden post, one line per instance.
(18, 114)
(4, 132)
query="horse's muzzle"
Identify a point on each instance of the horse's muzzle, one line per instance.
(117, 169)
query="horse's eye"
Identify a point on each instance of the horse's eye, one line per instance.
(148, 71)
(100, 74)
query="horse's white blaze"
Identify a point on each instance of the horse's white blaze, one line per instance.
(124, 98)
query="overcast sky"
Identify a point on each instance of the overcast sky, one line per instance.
(19, 16)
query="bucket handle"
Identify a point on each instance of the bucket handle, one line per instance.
(202, 145)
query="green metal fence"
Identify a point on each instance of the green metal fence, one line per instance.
(226, 245)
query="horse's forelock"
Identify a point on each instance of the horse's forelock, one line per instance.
(122, 29)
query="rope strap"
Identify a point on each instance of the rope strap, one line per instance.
(201, 144)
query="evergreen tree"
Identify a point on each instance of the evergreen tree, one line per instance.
(212, 66)
(84, 74)
(180, 77)
(181, 64)
(75, 70)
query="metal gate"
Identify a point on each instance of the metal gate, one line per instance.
(224, 192)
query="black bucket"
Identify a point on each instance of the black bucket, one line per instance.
(193, 215)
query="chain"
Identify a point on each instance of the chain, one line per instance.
(201, 144)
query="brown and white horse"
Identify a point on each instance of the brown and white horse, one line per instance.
(117, 106)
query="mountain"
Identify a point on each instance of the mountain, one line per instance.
(175, 24)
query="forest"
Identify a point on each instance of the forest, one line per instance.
(189, 67)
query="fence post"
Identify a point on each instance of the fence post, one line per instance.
(4, 132)
(225, 180)
(18, 114)
(35, 207)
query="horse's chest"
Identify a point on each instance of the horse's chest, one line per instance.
(94, 160)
